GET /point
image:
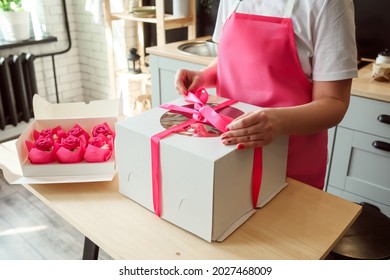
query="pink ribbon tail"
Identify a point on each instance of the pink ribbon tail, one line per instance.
(257, 173)
(200, 111)
(156, 165)
(156, 175)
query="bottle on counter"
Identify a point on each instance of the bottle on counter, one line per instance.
(383, 57)
(381, 67)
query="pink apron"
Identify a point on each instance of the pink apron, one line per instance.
(258, 64)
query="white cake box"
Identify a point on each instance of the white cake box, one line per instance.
(206, 186)
(48, 115)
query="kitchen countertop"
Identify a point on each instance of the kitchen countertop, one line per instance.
(171, 51)
(363, 85)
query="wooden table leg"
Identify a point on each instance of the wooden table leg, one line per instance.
(91, 250)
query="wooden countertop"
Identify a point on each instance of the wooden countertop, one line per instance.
(301, 222)
(362, 86)
(365, 86)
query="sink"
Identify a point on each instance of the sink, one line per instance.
(202, 48)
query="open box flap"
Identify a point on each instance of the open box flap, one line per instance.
(98, 108)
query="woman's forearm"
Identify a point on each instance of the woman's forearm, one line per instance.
(329, 105)
(209, 74)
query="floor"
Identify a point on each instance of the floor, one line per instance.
(29, 230)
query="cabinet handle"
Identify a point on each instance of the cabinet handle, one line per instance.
(384, 119)
(380, 145)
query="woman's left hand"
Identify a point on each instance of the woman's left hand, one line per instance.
(252, 130)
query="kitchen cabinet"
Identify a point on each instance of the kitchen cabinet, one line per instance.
(163, 71)
(331, 137)
(164, 63)
(359, 169)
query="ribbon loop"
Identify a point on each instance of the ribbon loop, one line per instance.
(202, 112)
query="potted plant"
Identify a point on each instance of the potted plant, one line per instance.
(14, 20)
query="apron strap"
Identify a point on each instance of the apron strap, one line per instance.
(234, 8)
(289, 9)
(287, 12)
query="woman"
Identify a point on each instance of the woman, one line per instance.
(296, 60)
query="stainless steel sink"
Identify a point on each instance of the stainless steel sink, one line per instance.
(202, 48)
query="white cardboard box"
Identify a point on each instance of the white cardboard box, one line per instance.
(206, 186)
(48, 115)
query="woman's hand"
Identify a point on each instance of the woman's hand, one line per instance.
(252, 130)
(188, 80)
(259, 128)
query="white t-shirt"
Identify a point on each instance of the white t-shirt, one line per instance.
(324, 33)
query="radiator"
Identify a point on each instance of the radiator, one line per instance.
(17, 87)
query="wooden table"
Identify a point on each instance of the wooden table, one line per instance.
(301, 222)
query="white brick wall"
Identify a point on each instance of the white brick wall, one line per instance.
(82, 72)
(92, 54)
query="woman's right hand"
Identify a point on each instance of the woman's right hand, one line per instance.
(187, 80)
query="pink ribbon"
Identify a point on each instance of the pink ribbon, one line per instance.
(257, 174)
(200, 113)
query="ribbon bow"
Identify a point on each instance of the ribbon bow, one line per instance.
(201, 112)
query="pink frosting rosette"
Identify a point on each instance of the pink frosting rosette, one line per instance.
(101, 144)
(72, 147)
(78, 131)
(45, 145)
(55, 133)
(104, 129)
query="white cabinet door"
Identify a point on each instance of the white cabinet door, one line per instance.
(331, 138)
(360, 163)
(360, 171)
(163, 71)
